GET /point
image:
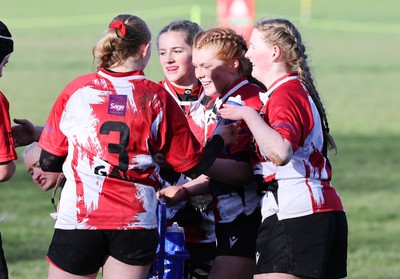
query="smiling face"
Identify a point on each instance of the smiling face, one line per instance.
(176, 58)
(215, 75)
(260, 56)
(45, 180)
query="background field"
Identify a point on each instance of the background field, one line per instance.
(354, 48)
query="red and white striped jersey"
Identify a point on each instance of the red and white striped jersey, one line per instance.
(7, 146)
(304, 185)
(109, 125)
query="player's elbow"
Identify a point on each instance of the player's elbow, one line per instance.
(7, 171)
(283, 157)
(281, 161)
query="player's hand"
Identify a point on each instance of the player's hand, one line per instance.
(229, 132)
(172, 195)
(161, 161)
(233, 112)
(25, 132)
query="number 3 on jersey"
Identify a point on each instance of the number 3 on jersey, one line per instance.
(118, 148)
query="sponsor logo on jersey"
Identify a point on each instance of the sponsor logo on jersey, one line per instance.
(232, 240)
(117, 104)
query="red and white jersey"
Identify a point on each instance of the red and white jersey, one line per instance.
(7, 146)
(190, 101)
(109, 125)
(228, 206)
(304, 185)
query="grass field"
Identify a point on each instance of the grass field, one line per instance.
(354, 51)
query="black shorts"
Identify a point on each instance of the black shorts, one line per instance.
(201, 259)
(3, 263)
(238, 238)
(312, 246)
(83, 252)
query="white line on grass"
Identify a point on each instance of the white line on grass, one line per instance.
(184, 10)
(94, 19)
(351, 26)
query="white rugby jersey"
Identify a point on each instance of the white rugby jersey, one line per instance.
(109, 125)
(304, 185)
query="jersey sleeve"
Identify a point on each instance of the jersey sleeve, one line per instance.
(289, 113)
(250, 96)
(52, 139)
(7, 146)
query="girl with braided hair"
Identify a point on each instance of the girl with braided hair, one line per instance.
(304, 228)
(102, 133)
(224, 72)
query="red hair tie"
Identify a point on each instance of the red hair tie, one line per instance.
(120, 26)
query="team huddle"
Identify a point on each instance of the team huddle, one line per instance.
(250, 184)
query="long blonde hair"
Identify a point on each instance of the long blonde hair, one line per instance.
(115, 47)
(283, 33)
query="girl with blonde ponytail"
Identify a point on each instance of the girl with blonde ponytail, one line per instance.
(102, 132)
(304, 228)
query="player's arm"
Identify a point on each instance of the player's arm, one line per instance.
(175, 194)
(50, 162)
(227, 170)
(7, 170)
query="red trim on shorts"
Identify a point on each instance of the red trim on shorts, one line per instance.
(53, 264)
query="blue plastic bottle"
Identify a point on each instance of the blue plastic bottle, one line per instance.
(175, 251)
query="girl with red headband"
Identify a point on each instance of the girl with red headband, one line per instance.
(102, 132)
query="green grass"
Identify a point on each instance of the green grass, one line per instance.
(353, 47)
(366, 175)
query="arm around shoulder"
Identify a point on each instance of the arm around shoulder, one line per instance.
(277, 148)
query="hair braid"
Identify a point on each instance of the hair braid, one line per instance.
(283, 33)
(306, 76)
(229, 46)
